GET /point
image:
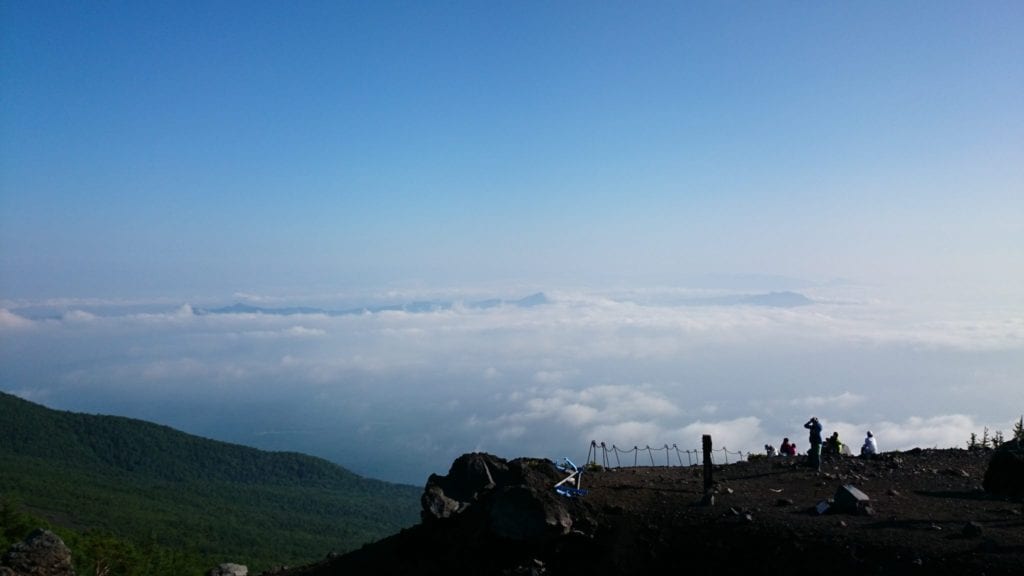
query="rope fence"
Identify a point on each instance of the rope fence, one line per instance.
(637, 456)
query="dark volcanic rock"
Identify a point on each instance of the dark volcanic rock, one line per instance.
(634, 521)
(850, 500)
(1005, 473)
(437, 505)
(522, 513)
(972, 530)
(468, 477)
(42, 553)
(511, 500)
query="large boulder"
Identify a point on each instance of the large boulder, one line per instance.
(436, 504)
(522, 513)
(1005, 473)
(469, 476)
(41, 553)
(510, 500)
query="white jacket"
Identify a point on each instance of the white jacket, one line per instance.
(870, 446)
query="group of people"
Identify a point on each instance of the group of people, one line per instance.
(787, 448)
(831, 446)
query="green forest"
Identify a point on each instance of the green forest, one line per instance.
(133, 497)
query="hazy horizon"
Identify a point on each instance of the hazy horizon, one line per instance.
(399, 394)
(626, 159)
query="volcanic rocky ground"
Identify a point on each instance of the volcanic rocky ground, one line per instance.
(926, 513)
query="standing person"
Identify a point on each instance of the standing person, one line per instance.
(815, 438)
(870, 447)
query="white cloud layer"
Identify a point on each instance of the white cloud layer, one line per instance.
(10, 321)
(629, 371)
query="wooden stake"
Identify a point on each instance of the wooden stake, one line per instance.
(707, 462)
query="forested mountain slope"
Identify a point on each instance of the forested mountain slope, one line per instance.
(155, 487)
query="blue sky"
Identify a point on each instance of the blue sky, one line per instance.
(209, 147)
(622, 157)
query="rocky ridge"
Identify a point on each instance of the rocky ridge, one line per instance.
(914, 512)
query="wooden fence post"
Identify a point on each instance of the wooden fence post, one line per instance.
(707, 462)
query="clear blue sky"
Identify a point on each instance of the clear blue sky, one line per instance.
(208, 147)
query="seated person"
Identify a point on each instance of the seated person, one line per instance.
(870, 447)
(787, 448)
(833, 445)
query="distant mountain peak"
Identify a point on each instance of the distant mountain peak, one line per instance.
(784, 299)
(537, 299)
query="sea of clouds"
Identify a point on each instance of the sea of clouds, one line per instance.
(398, 395)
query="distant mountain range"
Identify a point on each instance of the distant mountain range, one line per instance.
(538, 299)
(775, 299)
(785, 299)
(772, 299)
(155, 486)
